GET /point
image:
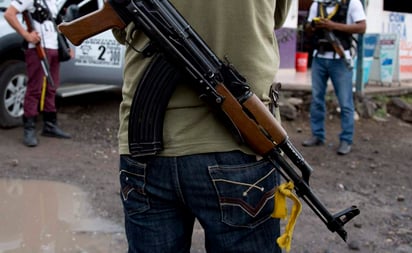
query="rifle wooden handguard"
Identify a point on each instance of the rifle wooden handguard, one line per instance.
(262, 133)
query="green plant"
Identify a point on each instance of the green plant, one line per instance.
(407, 98)
(381, 109)
(381, 99)
(381, 112)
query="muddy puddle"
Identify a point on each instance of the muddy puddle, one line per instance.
(44, 216)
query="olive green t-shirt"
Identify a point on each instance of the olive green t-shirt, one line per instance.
(240, 30)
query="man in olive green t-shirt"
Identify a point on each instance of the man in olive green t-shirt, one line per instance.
(203, 173)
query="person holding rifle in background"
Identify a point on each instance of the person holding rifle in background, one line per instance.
(42, 63)
(333, 22)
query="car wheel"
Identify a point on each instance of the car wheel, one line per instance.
(13, 80)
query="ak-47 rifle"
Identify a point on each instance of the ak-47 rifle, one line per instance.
(28, 19)
(217, 82)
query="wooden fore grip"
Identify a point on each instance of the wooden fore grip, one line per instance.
(251, 131)
(91, 24)
(266, 119)
(339, 50)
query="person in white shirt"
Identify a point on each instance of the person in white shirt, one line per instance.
(343, 18)
(45, 35)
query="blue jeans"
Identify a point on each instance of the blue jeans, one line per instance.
(230, 193)
(341, 76)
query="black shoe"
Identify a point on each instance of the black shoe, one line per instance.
(344, 148)
(313, 141)
(52, 130)
(29, 134)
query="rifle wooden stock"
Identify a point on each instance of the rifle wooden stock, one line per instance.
(91, 24)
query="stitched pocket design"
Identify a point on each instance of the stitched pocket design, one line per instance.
(245, 192)
(132, 184)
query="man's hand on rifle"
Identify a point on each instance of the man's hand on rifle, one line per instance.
(324, 23)
(11, 17)
(32, 37)
(327, 24)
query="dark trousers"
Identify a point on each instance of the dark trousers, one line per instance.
(35, 81)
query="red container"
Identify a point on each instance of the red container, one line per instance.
(301, 61)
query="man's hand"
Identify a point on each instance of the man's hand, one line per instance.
(324, 23)
(327, 24)
(32, 37)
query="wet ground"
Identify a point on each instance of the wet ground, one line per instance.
(45, 216)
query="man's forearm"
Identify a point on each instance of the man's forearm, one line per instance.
(11, 17)
(359, 27)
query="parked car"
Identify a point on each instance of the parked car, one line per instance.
(97, 64)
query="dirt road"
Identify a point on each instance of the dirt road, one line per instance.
(376, 176)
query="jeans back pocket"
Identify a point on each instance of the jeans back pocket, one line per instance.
(245, 192)
(132, 178)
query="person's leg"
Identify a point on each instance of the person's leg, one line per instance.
(32, 97)
(50, 123)
(35, 76)
(342, 82)
(320, 77)
(231, 194)
(156, 219)
(51, 127)
(50, 98)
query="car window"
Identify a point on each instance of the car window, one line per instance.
(72, 9)
(4, 4)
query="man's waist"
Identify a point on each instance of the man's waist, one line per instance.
(330, 54)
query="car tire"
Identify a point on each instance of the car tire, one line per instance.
(13, 80)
